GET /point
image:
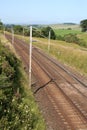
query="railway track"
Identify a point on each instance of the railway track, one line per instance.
(64, 94)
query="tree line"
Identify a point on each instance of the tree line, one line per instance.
(44, 30)
(40, 31)
(36, 32)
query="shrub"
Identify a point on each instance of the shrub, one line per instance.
(59, 37)
(71, 38)
(15, 112)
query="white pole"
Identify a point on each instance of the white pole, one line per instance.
(30, 56)
(12, 36)
(4, 31)
(23, 33)
(49, 41)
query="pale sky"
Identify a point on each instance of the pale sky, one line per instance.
(42, 11)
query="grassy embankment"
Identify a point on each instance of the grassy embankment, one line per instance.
(18, 109)
(68, 53)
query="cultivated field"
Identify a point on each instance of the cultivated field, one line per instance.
(63, 32)
(66, 26)
(62, 29)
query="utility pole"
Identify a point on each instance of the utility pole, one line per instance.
(4, 31)
(30, 56)
(12, 35)
(23, 33)
(49, 41)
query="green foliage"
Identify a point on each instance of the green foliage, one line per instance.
(1, 25)
(16, 114)
(83, 37)
(45, 32)
(59, 37)
(26, 32)
(69, 28)
(83, 24)
(71, 38)
(40, 32)
(18, 29)
(15, 108)
(36, 32)
(6, 71)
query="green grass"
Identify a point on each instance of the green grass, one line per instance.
(83, 36)
(63, 32)
(63, 29)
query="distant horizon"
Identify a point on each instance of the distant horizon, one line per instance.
(72, 23)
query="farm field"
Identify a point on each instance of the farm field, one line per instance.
(63, 32)
(62, 29)
(66, 26)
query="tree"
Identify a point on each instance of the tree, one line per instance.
(83, 24)
(45, 32)
(18, 29)
(36, 32)
(1, 25)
